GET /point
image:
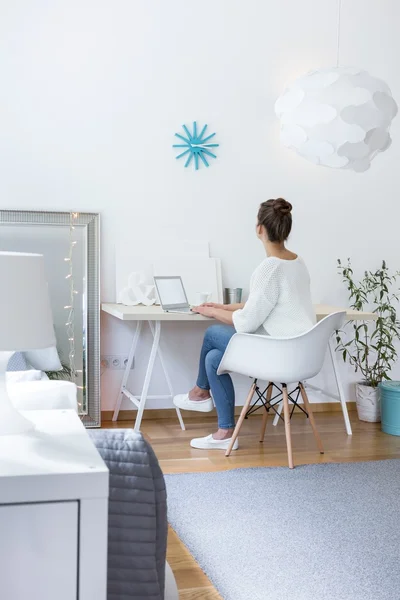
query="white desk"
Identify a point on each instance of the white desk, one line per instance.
(53, 511)
(154, 315)
(148, 313)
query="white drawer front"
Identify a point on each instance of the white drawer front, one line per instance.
(39, 551)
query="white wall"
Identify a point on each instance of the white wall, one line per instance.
(92, 92)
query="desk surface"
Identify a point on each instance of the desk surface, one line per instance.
(148, 313)
(156, 313)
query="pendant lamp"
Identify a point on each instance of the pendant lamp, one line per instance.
(337, 117)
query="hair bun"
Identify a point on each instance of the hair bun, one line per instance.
(282, 207)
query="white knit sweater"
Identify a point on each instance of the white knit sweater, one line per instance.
(279, 303)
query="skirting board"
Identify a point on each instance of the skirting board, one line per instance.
(166, 413)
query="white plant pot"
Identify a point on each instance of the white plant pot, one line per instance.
(368, 403)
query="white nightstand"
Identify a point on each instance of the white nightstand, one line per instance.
(53, 512)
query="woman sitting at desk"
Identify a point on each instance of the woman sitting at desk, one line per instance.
(279, 305)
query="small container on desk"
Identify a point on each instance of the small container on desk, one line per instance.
(232, 295)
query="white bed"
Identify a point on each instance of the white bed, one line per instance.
(43, 394)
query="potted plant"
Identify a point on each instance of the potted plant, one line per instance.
(64, 374)
(370, 348)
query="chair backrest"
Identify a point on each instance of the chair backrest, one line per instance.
(281, 360)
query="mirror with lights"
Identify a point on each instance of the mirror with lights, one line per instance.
(69, 242)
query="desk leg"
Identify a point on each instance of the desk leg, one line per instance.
(342, 397)
(167, 378)
(127, 369)
(149, 372)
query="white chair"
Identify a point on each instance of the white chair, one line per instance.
(283, 361)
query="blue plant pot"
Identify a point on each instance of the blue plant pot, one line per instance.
(390, 407)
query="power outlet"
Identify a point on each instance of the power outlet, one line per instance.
(116, 362)
(125, 362)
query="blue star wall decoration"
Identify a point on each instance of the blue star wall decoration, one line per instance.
(196, 146)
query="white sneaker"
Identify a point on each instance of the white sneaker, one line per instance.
(183, 401)
(208, 443)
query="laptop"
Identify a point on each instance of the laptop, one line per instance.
(172, 295)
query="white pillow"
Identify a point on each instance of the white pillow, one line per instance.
(40, 395)
(20, 376)
(44, 360)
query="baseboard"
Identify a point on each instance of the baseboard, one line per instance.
(167, 413)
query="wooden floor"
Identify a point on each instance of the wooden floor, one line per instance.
(175, 455)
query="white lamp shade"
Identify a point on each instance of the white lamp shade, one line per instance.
(338, 117)
(26, 321)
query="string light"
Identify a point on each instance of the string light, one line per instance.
(70, 307)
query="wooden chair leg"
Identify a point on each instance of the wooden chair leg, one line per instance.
(286, 413)
(265, 415)
(241, 418)
(307, 406)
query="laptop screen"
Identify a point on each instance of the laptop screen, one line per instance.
(171, 291)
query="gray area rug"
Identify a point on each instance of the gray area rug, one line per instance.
(319, 532)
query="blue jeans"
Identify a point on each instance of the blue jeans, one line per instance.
(215, 342)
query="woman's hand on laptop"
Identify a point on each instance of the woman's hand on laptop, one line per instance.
(220, 314)
(229, 307)
(213, 305)
(205, 309)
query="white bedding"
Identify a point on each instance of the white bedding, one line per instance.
(43, 395)
(20, 376)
